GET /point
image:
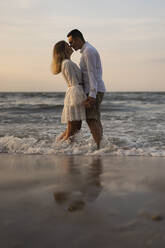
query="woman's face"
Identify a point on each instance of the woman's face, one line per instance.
(68, 49)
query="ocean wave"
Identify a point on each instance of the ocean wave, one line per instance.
(81, 145)
(136, 97)
(31, 94)
(32, 108)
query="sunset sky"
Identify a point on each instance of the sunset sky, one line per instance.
(129, 35)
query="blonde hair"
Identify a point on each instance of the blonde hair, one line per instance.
(59, 54)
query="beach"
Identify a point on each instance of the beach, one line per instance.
(81, 201)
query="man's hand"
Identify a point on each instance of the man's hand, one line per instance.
(89, 102)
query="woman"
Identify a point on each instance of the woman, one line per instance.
(74, 111)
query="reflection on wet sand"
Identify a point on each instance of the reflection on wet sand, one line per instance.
(79, 186)
(122, 202)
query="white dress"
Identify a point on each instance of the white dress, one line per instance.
(73, 107)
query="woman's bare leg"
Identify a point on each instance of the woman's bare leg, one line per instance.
(62, 135)
(67, 134)
(73, 127)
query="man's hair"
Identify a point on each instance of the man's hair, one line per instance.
(75, 33)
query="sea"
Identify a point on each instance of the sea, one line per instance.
(133, 124)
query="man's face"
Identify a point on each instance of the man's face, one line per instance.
(75, 43)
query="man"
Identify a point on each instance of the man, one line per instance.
(93, 84)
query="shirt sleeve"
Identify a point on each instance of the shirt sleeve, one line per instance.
(68, 73)
(90, 59)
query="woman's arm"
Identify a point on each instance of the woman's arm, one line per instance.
(69, 73)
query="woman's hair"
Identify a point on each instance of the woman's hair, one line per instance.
(59, 54)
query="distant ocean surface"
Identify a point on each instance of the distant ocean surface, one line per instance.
(133, 123)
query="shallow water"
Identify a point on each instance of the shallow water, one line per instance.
(133, 125)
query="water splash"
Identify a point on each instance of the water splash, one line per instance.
(80, 145)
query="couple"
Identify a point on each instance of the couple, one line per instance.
(85, 87)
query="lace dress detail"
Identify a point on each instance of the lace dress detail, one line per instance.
(73, 107)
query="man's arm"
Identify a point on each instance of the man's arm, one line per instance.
(90, 60)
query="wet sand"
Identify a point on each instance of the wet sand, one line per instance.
(81, 201)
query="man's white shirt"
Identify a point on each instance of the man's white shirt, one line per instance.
(91, 68)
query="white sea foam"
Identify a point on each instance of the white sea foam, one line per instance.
(80, 145)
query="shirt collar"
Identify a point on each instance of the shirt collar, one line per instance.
(83, 47)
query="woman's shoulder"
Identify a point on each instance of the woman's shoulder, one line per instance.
(66, 62)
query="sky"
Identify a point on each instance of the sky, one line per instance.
(129, 35)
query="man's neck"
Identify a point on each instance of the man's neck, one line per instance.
(83, 42)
